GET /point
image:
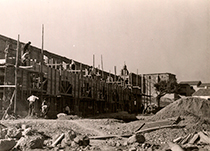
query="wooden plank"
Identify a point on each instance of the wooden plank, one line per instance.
(57, 81)
(140, 131)
(160, 127)
(7, 86)
(25, 67)
(53, 81)
(140, 127)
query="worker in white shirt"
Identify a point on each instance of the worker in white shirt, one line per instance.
(31, 100)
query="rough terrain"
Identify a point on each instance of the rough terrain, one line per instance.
(108, 133)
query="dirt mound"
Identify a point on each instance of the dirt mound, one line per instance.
(184, 107)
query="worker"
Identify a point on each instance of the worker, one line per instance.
(72, 65)
(67, 110)
(26, 47)
(26, 51)
(31, 100)
(44, 108)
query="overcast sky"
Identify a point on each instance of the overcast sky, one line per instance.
(153, 36)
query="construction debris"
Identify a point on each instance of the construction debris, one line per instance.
(7, 144)
(181, 133)
(191, 141)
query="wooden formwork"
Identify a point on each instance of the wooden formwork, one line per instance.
(53, 81)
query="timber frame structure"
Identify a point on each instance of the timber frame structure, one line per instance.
(62, 81)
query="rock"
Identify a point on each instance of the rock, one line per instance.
(140, 138)
(86, 141)
(204, 138)
(174, 147)
(47, 143)
(125, 143)
(131, 139)
(14, 133)
(136, 138)
(79, 140)
(36, 142)
(146, 145)
(111, 143)
(20, 143)
(3, 133)
(82, 140)
(132, 149)
(27, 131)
(118, 144)
(150, 149)
(30, 142)
(24, 126)
(74, 144)
(63, 144)
(69, 136)
(7, 144)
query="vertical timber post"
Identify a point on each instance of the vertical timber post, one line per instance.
(16, 66)
(115, 73)
(41, 72)
(102, 68)
(93, 61)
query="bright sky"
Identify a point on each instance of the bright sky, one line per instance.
(149, 35)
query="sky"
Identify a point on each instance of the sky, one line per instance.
(149, 36)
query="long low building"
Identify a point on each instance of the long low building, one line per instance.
(62, 81)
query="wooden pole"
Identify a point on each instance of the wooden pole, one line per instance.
(41, 72)
(102, 68)
(115, 73)
(16, 66)
(137, 78)
(93, 61)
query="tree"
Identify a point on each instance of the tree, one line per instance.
(164, 87)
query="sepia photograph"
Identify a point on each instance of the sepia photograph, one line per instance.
(105, 75)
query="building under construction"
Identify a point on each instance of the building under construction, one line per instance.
(62, 81)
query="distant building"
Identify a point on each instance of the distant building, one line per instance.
(150, 79)
(204, 86)
(194, 84)
(202, 93)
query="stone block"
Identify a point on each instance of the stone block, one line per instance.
(7, 144)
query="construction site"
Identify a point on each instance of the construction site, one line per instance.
(61, 81)
(105, 108)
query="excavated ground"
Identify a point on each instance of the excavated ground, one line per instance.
(102, 126)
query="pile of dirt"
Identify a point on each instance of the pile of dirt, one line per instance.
(184, 107)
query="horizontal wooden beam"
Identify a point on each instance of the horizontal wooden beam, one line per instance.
(75, 70)
(64, 94)
(53, 64)
(7, 86)
(26, 67)
(138, 87)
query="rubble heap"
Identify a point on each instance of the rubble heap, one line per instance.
(184, 107)
(25, 138)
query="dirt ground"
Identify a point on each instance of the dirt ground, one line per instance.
(109, 127)
(111, 133)
(88, 127)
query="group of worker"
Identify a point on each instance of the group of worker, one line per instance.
(44, 106)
